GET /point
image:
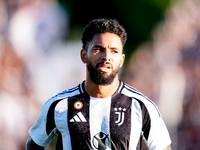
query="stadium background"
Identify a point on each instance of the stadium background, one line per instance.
(39, 56)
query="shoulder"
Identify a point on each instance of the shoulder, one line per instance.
(68, 93)
(140, 97)
(52, 102)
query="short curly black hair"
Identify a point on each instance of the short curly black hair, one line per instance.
(102, 25)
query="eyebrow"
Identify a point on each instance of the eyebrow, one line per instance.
(100, 46)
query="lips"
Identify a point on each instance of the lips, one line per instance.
(104, 67)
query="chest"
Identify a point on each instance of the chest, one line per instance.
(111, 120)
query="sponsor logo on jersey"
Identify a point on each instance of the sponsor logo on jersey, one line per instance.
(78, 118)
(101, 141)
(78, 105)
(120, 112)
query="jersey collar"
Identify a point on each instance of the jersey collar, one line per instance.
(82, 87)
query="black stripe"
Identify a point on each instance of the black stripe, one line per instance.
(120, 134)
(126, 85)
(50, 124)
(70, 90)
(79, 131)
(59, 145)
(120, 87)
(129, 88)
(67, 91)
(80, 88)
(146, 120)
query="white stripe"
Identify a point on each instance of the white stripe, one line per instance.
(61, 117)
(150, 105)
(72, 120)
(136, 124)
(120, 86)
(82, 87)
(76, 118)
(82, 117)
(140, 95)
(99, 116)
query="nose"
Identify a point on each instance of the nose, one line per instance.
(106, 55)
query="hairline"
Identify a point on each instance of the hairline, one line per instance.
(103, 26)
(86, 46)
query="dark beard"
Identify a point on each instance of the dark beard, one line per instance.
(98, 77)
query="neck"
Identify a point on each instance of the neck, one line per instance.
(101, 91)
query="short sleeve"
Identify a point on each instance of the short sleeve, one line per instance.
(156, 134)
(44, 130)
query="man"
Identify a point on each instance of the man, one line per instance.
(101, 113)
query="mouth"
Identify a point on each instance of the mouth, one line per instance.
(104, 67)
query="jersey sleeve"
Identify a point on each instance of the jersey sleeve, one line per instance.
(44, 130)
(155, 132)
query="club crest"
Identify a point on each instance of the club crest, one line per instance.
(120, 112)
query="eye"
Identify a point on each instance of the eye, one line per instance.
(96, 49)
(115, 51)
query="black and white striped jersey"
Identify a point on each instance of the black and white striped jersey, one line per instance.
(82, 122)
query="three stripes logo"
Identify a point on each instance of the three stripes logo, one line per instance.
(78, 118)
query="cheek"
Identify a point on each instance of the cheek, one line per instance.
(118, 63)
(93, 58)
(90, 60)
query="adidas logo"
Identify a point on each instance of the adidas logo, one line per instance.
(78, 118)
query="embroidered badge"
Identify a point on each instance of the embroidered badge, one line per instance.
(120, 112)
(78, 105)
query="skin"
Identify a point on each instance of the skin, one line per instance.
(106, 48)
(168, 148)
(31, 145)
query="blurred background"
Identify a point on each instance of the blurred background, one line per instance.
(39, 57)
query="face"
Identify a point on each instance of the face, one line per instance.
(103, 58)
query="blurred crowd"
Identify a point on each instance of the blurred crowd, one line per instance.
(37, 63)
(167, 69)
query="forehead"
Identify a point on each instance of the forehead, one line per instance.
(106, 40)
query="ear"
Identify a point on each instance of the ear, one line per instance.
(83, 56)
(122, 60)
